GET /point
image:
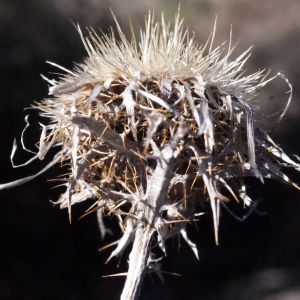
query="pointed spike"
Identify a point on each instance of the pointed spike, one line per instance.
(215, 205)
(70, 214)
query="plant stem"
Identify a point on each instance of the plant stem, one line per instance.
(137, 263)
(149, 210)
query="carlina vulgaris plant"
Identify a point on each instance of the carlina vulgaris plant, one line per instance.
(148, 130)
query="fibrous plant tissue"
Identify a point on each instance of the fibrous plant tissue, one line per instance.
(148, 130)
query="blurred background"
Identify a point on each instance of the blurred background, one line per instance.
(42, 256)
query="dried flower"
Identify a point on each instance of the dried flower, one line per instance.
(148, 130)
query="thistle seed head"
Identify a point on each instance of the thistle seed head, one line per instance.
(150, 129)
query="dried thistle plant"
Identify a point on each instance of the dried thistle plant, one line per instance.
(151, 129)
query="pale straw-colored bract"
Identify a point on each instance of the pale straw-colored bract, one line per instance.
(151, 129)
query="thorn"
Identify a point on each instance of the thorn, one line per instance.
(70, 214)
(215, 205)
(296, 186)
(115, 275)
(217, 238)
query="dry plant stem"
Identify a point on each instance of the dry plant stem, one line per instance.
(137, 263)
(148, 211)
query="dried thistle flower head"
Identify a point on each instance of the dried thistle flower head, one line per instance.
(150, 129)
